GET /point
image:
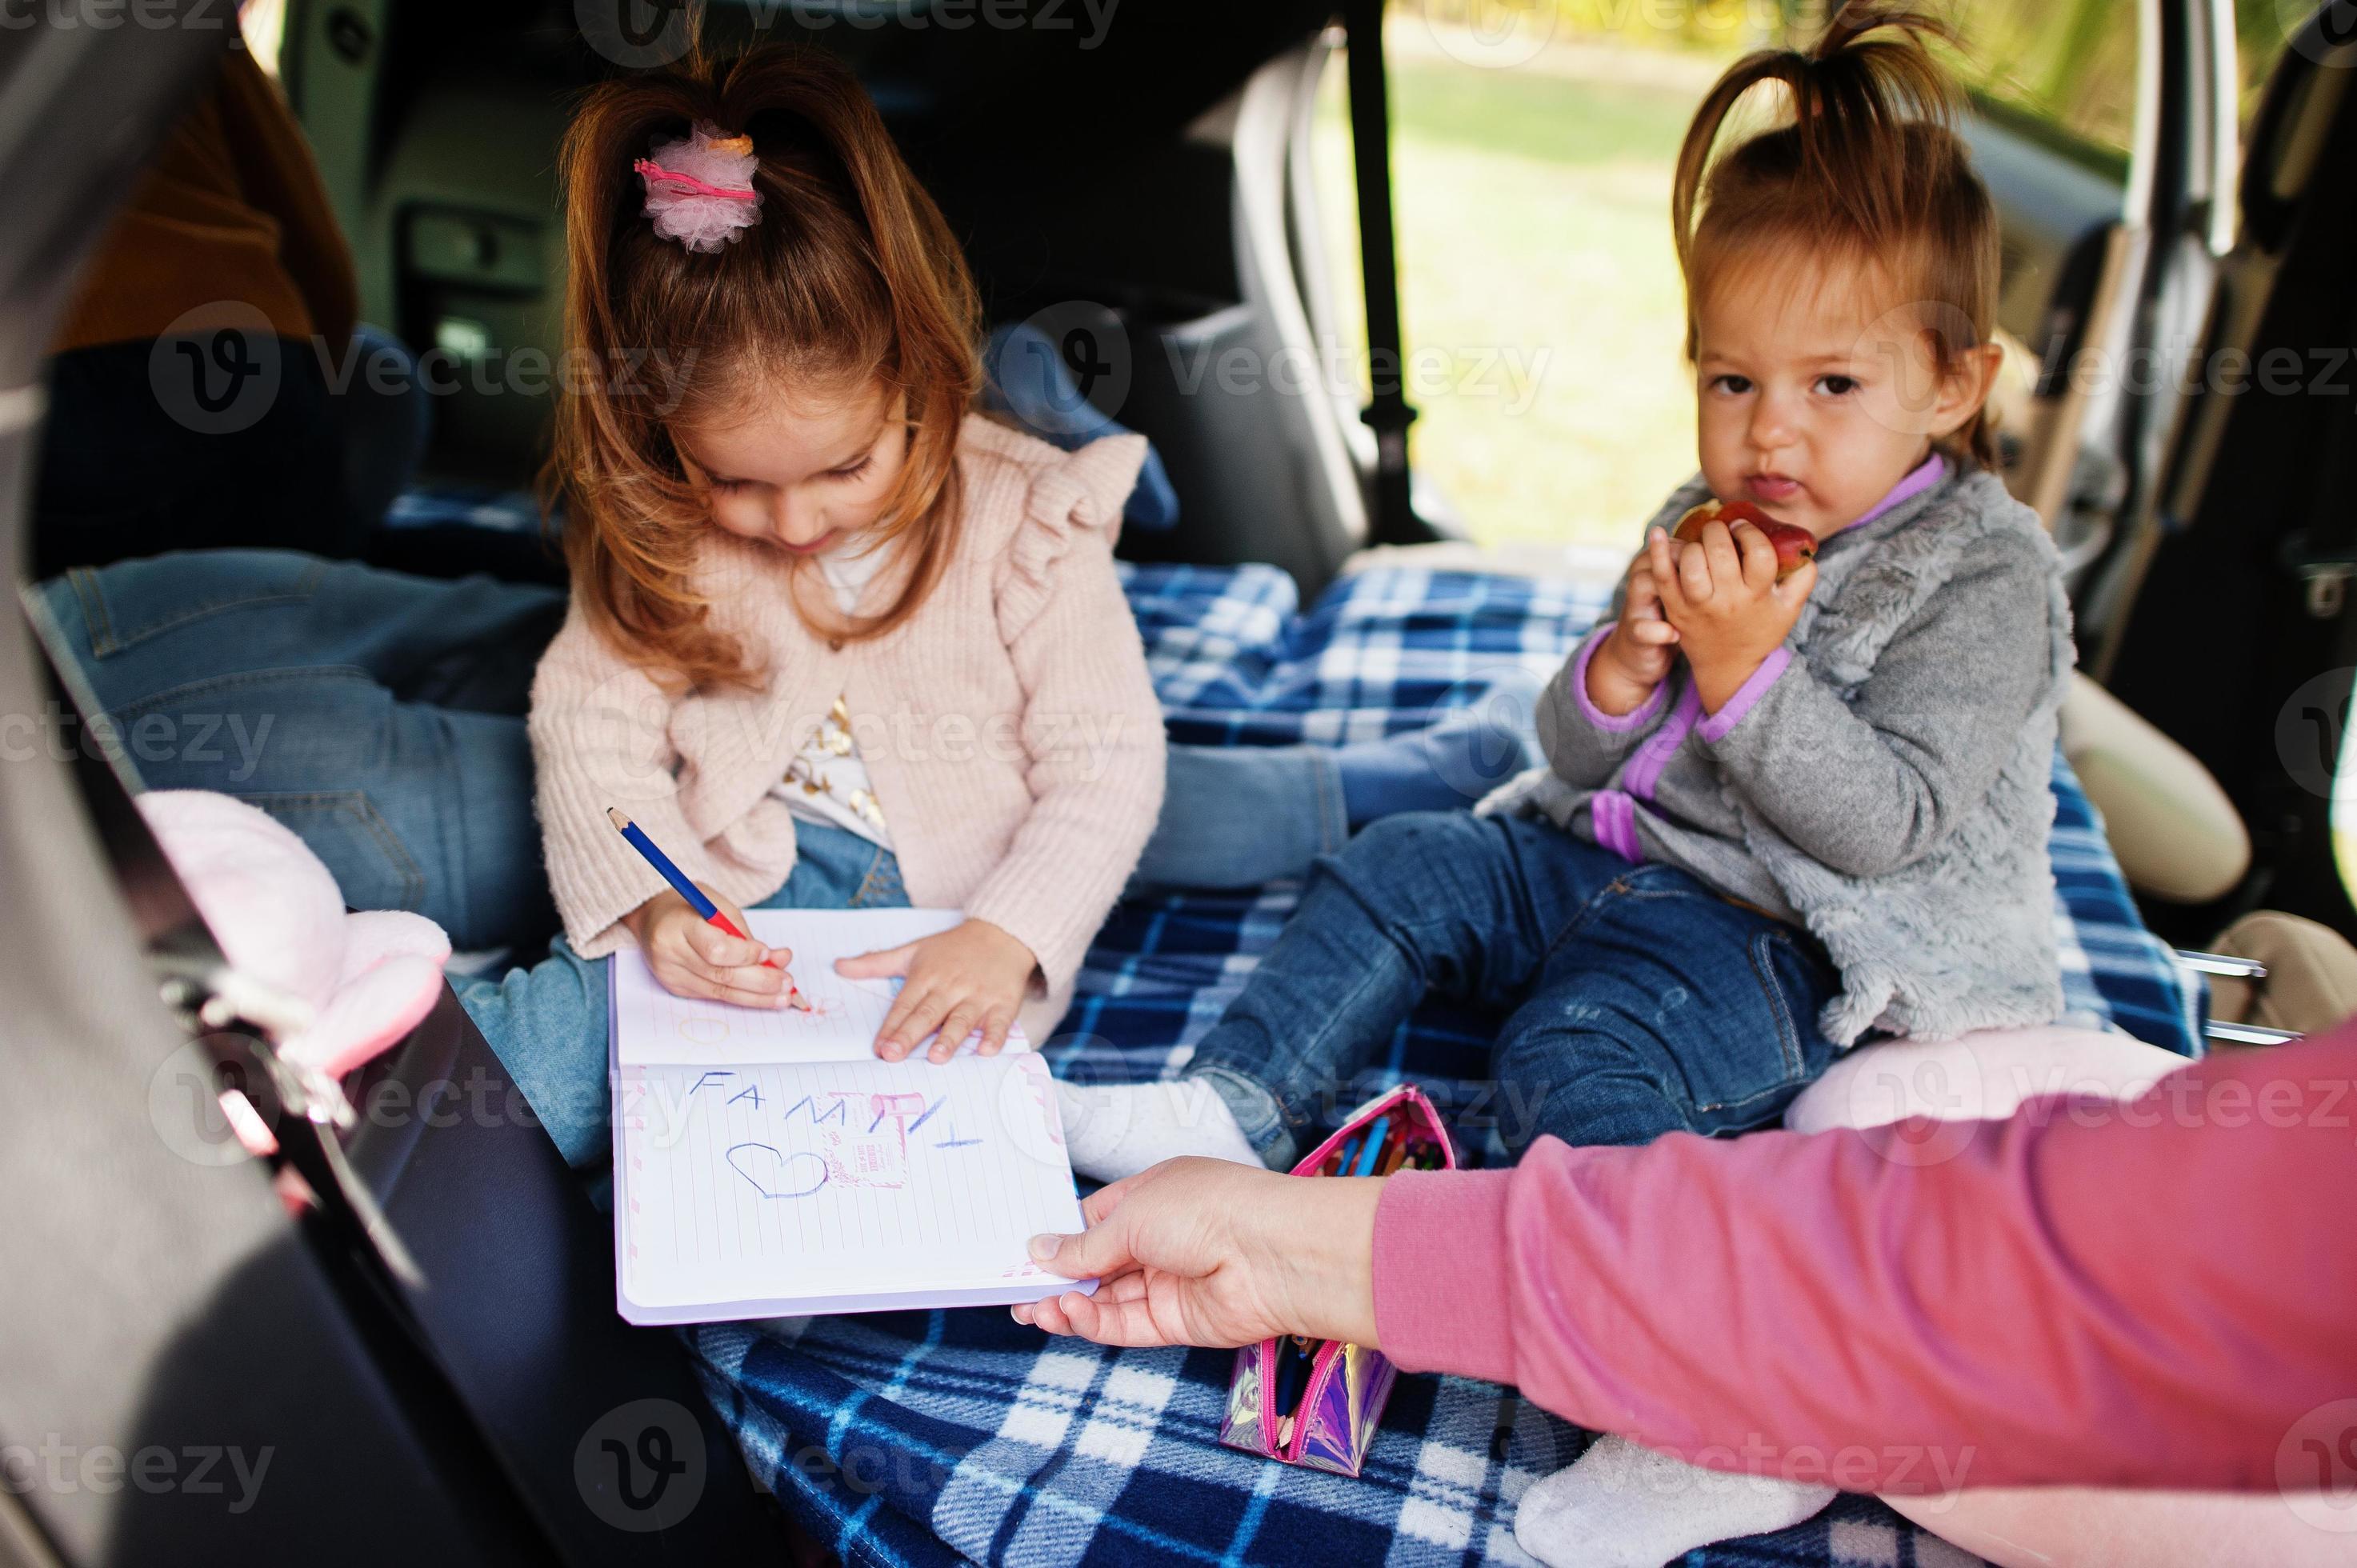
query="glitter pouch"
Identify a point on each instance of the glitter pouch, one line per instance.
(1316, 1402)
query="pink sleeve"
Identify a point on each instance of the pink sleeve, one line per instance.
(2151, 1293)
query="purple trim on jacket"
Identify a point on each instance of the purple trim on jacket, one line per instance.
(1612, 723)
(1714, 727)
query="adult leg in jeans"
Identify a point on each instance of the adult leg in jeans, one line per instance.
(379, 716)
(1239, 816)
(374, 713)
(1440, 901)
(1663, 1008)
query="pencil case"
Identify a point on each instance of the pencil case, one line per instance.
(1316, 1402)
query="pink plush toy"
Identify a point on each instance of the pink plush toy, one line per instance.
(367, 979)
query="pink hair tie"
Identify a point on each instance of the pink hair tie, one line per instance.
(655, 171)
(699, 189)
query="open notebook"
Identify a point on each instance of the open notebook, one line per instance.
(767, 1163)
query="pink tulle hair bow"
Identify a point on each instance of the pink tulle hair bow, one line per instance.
(700, 190)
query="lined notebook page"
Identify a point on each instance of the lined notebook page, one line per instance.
(654, 1026)
(836, 1187)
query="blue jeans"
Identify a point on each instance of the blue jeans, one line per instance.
(380, 716)
(547, 1022)
(1643, 1002)
(375, 714)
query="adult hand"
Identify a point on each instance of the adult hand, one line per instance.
(1208, 1252)
(972, 976)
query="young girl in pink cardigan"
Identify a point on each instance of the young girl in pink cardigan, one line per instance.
(834, 641)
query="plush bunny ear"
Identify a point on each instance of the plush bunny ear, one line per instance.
(272, 906)
(376, 936)
(279, 916)
(368, 1014)
(391, 978)
(700, 190)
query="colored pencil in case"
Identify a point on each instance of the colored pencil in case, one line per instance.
(1291, 1362)
(1371, 1146)
(704, 908)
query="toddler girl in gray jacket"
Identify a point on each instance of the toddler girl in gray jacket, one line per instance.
(1790, 804)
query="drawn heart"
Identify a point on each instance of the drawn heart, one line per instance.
(774, 1175)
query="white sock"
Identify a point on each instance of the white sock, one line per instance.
(1623, 1506)
(1114, 1130)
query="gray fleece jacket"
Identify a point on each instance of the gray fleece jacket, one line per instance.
(1884, 780)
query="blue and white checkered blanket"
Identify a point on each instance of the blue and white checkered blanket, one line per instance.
(928, 1437)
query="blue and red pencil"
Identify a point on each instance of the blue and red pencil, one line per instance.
(704, 906)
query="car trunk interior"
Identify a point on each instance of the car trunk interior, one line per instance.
(1146, 209)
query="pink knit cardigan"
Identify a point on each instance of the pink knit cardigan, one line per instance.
(1009, 728)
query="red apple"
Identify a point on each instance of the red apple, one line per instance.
(1795, 547)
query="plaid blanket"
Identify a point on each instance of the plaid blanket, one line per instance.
(928, 1437)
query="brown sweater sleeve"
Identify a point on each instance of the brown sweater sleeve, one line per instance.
(279, 175)
(230, 209)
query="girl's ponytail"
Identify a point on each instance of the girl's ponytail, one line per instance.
(1869, 164)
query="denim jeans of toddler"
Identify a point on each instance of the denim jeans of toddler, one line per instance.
(1643, 1002)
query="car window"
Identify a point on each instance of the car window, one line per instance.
(2062, 72)
(1531, 152)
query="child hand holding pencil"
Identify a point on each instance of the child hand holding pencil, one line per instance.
(696, 941)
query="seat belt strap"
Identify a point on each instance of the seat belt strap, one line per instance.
(1393, 519)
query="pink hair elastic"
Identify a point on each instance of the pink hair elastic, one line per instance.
(699, 189)
(655, 171)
